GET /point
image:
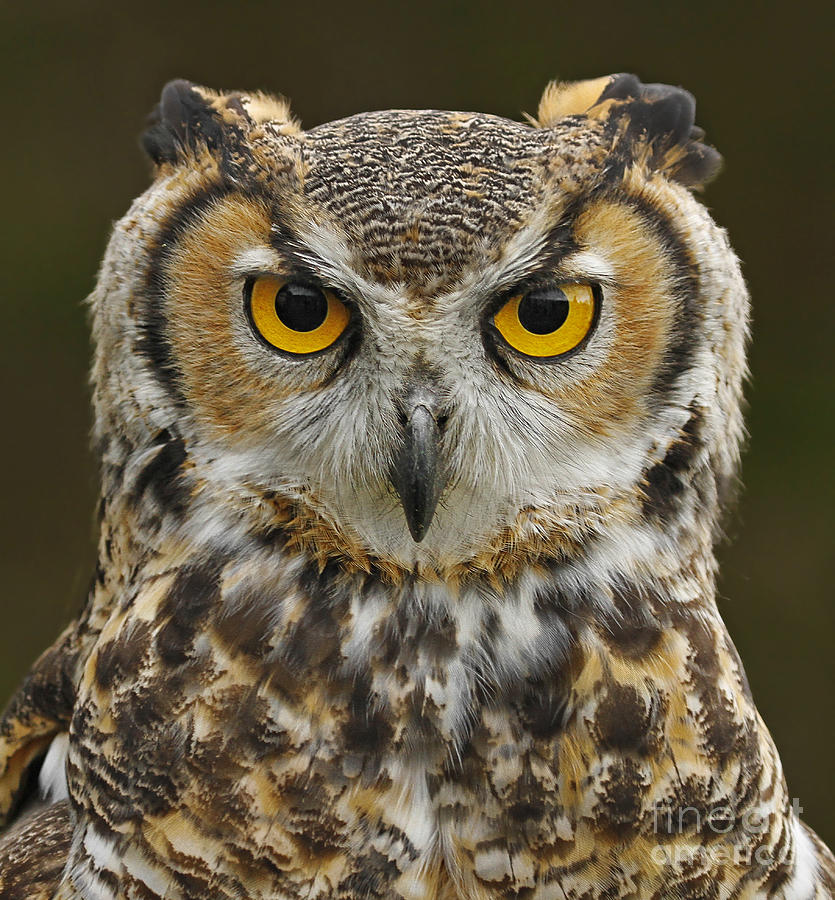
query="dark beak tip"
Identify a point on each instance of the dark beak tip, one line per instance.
(417, 531)
(418, 473)
(418, 508)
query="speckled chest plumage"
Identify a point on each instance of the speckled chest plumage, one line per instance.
(335, 744)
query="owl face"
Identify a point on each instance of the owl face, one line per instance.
(434, 335)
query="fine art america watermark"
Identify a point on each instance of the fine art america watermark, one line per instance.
(745, 849)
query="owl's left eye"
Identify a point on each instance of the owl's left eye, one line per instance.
(296, 317)
(548, 321)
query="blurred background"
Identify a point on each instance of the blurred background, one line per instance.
(77, 80)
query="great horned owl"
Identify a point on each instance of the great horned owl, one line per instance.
(414, 432)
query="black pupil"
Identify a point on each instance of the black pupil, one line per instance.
(544, 310)
(301, 307)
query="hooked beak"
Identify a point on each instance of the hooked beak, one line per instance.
(418, 473)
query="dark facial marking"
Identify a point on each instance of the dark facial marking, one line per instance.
(665, 482)
(683, 341)
(154, 343)
(162, 476)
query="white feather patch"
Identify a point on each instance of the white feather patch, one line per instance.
(52, 780)
(806, 870)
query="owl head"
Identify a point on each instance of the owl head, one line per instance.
(423, 340)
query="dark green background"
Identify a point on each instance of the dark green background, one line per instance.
(78, 79)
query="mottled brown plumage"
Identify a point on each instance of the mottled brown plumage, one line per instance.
(34, 852)
(284, 687)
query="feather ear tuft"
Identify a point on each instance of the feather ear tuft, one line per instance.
(189, 118)
(181, 121)
(657, 117)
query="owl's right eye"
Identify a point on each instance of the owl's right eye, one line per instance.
(296, 317)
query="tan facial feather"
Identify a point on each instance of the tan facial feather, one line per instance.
(639, 310)
(205, 309)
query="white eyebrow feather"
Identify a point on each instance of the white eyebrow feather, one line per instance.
(326, 252)
(588, 264)
(256, 259)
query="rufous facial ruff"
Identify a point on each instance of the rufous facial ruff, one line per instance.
(415, 430)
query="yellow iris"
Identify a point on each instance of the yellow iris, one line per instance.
(296, 317)
(548, 321)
